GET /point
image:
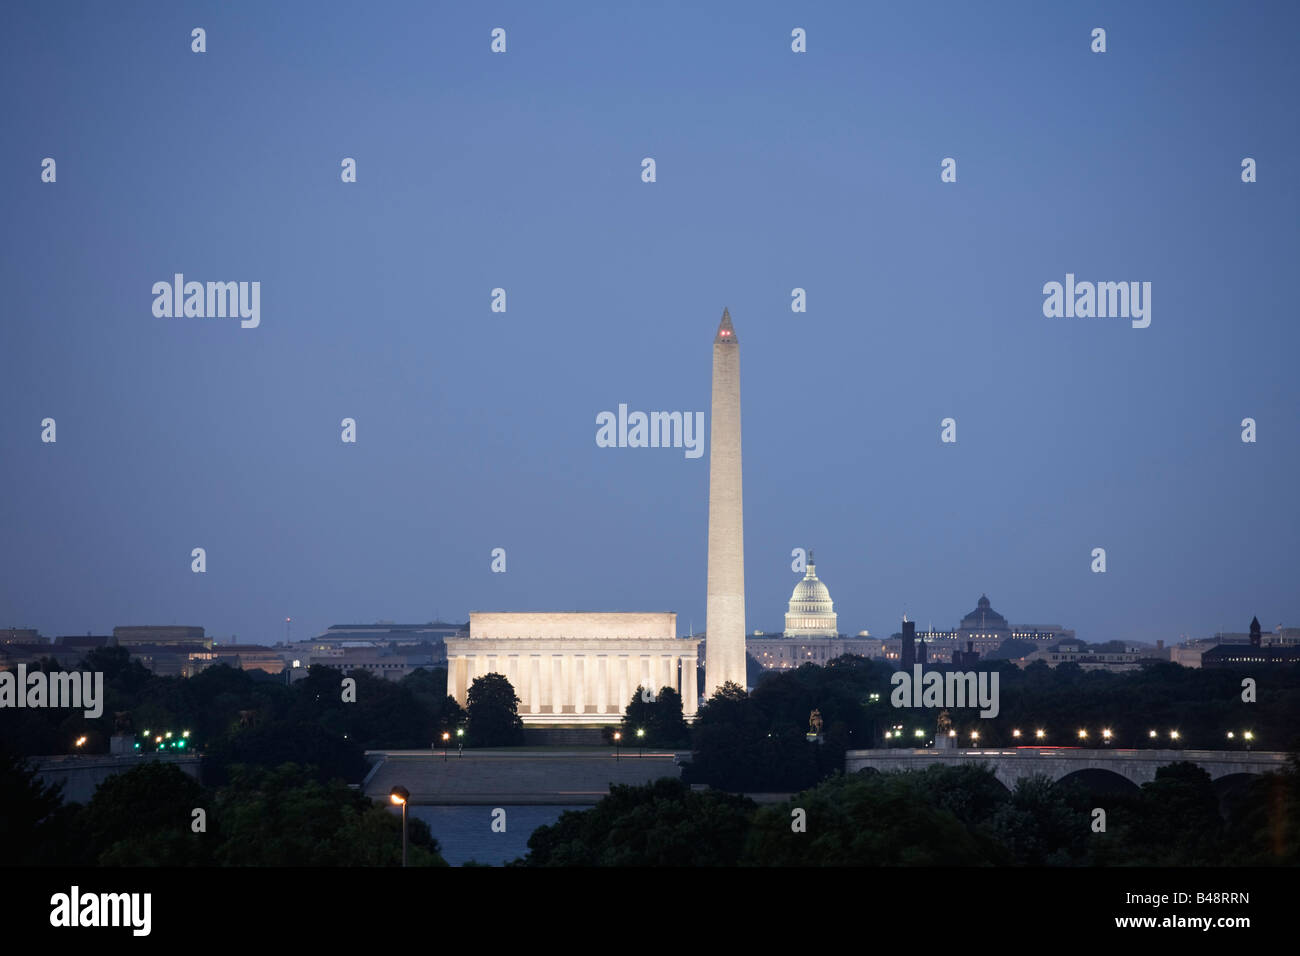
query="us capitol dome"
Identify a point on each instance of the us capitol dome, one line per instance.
(811, 612)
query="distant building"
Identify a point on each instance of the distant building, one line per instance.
(1188, 654)
(14, 653)
(21, 635)
(66, 651)
(1252, 653)
(160, 635)
(783, 653)
(386, 662)
(168, 660)
(386, 632)
(575, 667)
(968, 658)
(1074, 651)
(907, 645)
(811, 635)
(986, 630)
(423, 645)
(245, 657)
(84, 643)
(810, 613)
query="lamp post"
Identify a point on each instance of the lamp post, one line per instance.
(445, 737)
(401, 796)
(460, 741)
(617, 737)
(640, 747)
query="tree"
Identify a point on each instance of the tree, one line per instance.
(867, 819)
(284, 817)
(661, 718)
(1173, 821)
(329, 755)
(144, 816)
(663, 823)
(736, 748)
(493, 713)
(33, 819)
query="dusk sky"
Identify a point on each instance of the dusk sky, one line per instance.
(775, 170)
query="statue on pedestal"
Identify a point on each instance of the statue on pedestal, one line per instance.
(943, 739)
(815, 721)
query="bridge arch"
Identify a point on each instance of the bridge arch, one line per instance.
(1100, 780)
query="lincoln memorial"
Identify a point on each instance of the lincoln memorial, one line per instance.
(575, 667)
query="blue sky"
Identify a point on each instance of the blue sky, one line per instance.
(775, 170)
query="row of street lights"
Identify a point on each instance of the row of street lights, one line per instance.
(1107, 735)
(618, 739)
(460, 743)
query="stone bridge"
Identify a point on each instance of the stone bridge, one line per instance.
(81, 774)
(1136, 766)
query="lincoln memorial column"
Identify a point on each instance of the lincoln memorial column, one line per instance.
(623, 669)
(557, 683)
(579, 683)
(690, 694)
(547, 671)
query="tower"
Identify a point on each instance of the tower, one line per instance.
(907, 649)
(724, 638)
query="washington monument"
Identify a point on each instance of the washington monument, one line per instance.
(724, 639)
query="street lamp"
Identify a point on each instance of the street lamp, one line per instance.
(1249, 737)
(1105, 735)
(401, 796)
(640, 749)
(460, 741)
(445, 737)
(617, 737)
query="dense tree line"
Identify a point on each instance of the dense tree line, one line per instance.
(941, 816)
(237, 716)
(281, 816)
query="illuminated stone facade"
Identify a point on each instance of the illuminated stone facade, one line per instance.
(575, 667)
